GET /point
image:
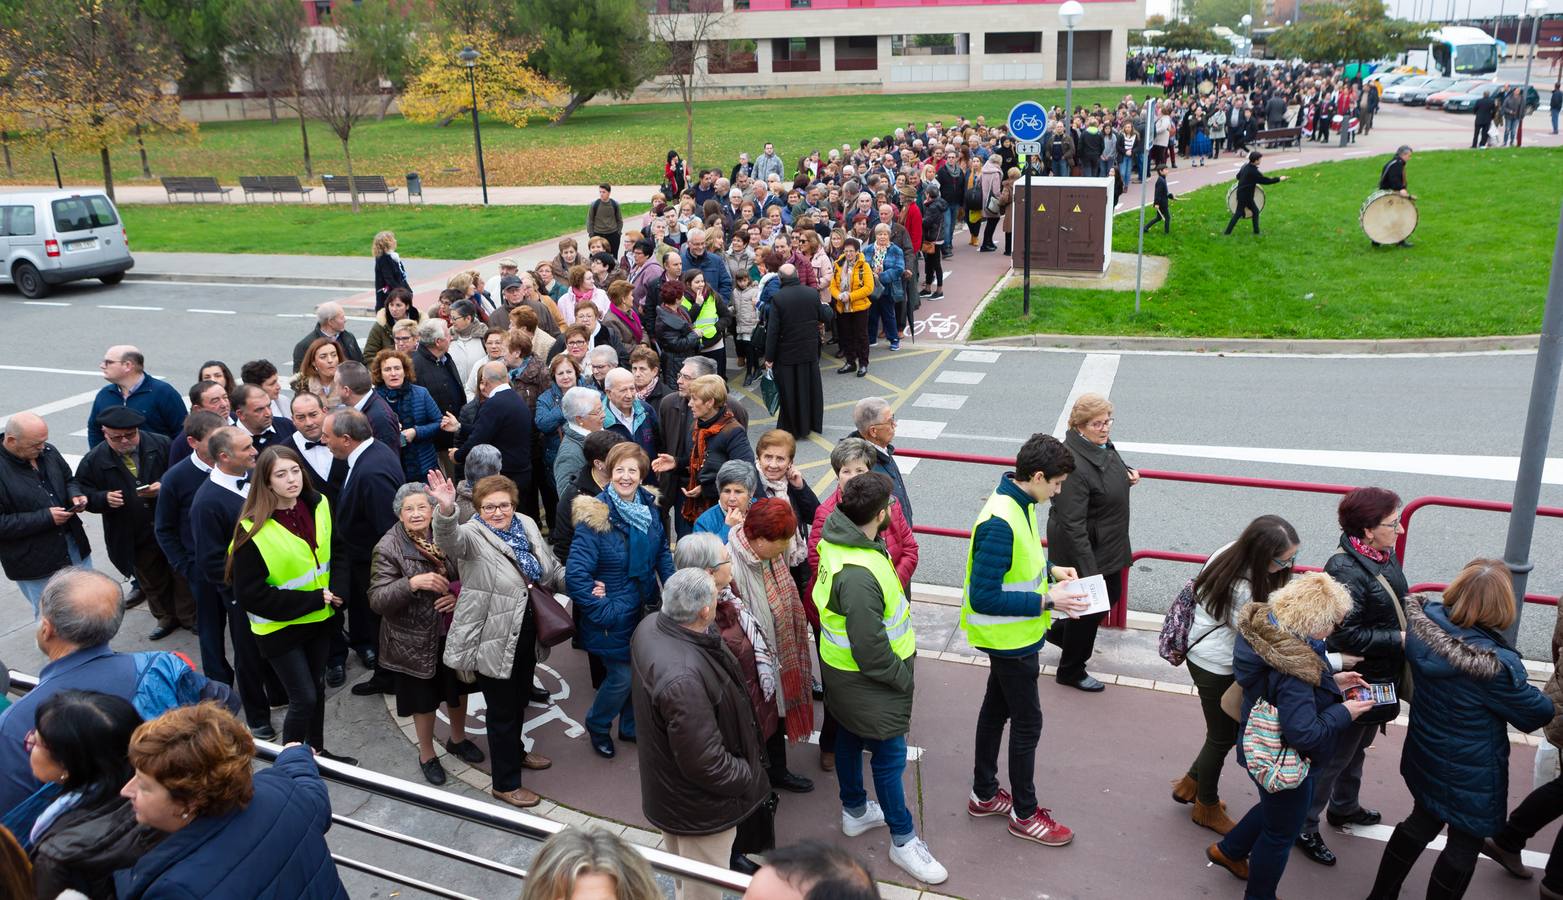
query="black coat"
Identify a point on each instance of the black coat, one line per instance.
(1247, 178)
(281, 430)
(1393, 178)
(1372, 629)
(102, 471)
(732, 442)
(440, 379)
(1088, 522)
(1486, 108)
(792, 330)
(383, 421)
(175, 528)
(364, 513)
(31, 545)
(676, 339)
(388, 273)
(344, 341)
(504, 421)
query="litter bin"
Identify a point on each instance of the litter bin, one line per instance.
(414, 186)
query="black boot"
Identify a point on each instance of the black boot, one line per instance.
(1447, 882)
(1400, 854)
(1008, 244)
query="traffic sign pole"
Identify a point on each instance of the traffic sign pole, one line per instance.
(1027, 124)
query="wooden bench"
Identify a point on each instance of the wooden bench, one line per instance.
(195, 186)
(275, 185)
(366, 184)
(1280, 137)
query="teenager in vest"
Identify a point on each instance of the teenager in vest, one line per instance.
(1005, 613)
(279, 564)
(866, 649)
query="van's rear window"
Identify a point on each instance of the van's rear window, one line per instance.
(82, 213)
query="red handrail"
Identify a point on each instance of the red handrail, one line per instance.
(1438, 587)
(1456, 503)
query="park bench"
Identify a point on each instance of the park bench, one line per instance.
(1280, 137)
(366, 184)
(275, 185)
(195, 186)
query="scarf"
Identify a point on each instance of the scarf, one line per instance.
(634, 512)
(694, 506)
(1378, 556)
(514, 537)
(764, 665)
(798, 551)
(645, 392)
(771, 596)
(430, 550)
(631, 320)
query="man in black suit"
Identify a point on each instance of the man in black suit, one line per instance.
(1486, 108)
(356, 389)
(326, 472)
(214, 513)
(252, 413)
(437, 374)
(363, 515)
(121, 480)
(208, 395)
(331, 323)
(1247, 178)
(176, 537)
(505, 421)
(1162, 202)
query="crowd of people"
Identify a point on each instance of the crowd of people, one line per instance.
(489, 479)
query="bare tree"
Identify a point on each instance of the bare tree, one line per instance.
(344, 88)
(683, 30)
(271, 46)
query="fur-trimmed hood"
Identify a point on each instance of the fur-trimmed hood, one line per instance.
(597, 515)
(1451, 650)
(1278, 648)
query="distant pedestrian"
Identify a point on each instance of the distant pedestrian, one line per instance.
(604, 219)
(1556, 104)
(1162, 202)
(1248, 179)
(389, 273)
(1514, 109)
(1486, 108)
(124, 368)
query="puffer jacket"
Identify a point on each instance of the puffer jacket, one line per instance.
(409, 624)
(701, 768)
(1290, 672)
(548, 419)
(850, 290)
(415, 408)
(1554, 687)
(1372, 628)
(1469, 684)
(487, 621)
(82, 848)
(629, 563)
(676, 339)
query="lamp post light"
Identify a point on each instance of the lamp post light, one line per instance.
(1538, 8)
(1070, 15)
(469, 58)
(1248, 33)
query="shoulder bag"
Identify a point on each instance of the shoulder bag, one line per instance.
(1274, 765)
(554, 623)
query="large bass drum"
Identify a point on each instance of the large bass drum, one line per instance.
(1387, 217)
(1259, 199)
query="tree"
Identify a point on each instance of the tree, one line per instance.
(683, 38)
(383, 31)
(1352, 31)
(199, 31)
(271, 47)
(89, 73)
(590, 46)
(1219, 12)
(506, 88)
(476, 17)
(1155, 22)
(344, 87)
(1188, 36)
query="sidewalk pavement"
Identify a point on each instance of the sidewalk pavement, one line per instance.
(508, 195)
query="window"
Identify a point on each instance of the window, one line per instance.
(18, 221)
(82, 213)
(800, 4)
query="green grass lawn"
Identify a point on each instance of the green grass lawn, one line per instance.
(618, 142)
(1479, 265)
(431, 232)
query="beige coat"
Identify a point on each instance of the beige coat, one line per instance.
(492, 605)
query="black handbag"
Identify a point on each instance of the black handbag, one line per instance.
(757, 833)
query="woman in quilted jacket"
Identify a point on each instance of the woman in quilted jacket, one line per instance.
(1279, 658)
(1470, 685)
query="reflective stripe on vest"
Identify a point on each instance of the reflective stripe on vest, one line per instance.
(705, 322)
(1027, 574)
(292, 566)
(835, 648)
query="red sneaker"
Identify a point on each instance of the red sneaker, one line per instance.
(1000, 805)
(1041, 828)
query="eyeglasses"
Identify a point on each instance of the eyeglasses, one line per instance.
(497, 507)
(1101, 423)
(889, 420)
(1391, 524)
(1286, 563)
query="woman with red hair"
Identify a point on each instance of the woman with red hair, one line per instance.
(763, 582)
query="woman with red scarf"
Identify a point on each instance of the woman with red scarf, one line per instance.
(714, 438)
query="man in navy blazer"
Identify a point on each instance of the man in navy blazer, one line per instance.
(363, 515)
(356, 389)
(176, 536)
(252, 413)
(505, 421)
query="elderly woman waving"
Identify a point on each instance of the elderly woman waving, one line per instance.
(493, 631)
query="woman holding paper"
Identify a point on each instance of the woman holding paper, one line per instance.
(1088, 529)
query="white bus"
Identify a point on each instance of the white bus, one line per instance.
(1458, 50)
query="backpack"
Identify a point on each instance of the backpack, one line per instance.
(163, 681)
(1173, 644)
(1275, 766)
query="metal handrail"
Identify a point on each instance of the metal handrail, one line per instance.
(399, 878)
(398, 837)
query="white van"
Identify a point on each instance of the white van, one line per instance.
(51, 237)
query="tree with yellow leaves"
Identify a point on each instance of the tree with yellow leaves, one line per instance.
(89, 73)
(507, 88)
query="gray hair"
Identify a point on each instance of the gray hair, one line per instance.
(483, 460)
(851, 450)
(686, 594)
(431, 331)
(327, 311)
(354, 376)
(699, 551)
(616, 374)
(350, 423)
(602, 356)
(67, 603)
(495, 373)
(736, 471)
(578, 401)
(705, 364)
(868, 412)
(410, 489)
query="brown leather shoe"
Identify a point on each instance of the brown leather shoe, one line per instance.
(1238, 867)
(520, 797)
(827, 760)
(536, 762)
(1184, 789)
(1213, 816)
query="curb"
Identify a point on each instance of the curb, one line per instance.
(288, 280)
(1495, 343)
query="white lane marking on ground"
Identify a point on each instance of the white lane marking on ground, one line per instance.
(43, 303)
(250, 286)
(923, 429)
(55, 406)
(977, 356)
(81, 433)
(1096, 375)
(1358, 153)
(907, 465)
(958, 377)
(50, 371)
(134, 308)
(941, 401)
(214, 312)
(913, 753)
(1381, 833)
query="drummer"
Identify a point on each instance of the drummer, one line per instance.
(1393, 178)
(1248, 178)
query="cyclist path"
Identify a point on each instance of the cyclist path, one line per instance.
(1103, 767)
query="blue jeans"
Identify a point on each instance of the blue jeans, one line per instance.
(1555, 120)
(1126, 170)
(1511, 127)
(888, 761)
(1060, 168)
(881, 314)
(949, 228)
(32, 588)
(613, 699)
(1265, 836)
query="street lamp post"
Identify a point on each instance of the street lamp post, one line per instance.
(1070, 15)
(1248, 33)
(469, 58)
(1538, 8)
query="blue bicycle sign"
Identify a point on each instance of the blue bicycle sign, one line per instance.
(1027, 121)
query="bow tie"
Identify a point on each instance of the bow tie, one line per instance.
(242, 483)
(310, 445)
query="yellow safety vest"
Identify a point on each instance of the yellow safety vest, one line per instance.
(834, 649)
(705, 320)
(1027, 574)
(292, 566)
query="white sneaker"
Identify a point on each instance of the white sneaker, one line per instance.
(918, 862)
(872, 817)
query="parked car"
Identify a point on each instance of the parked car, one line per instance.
(52, 237)
(1467, 102)
(1417, 96)
(1396, 92)
(1436, 99)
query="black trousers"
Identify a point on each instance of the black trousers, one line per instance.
(1238, 216)
(506, 699)
(168, 597)
(1076, 638)
(259, 687)
(528, 505)
(1451, 873)
(1480, 137)
(776, 754)
(933, 268)
(544, 486)
(1011, 695)
(613, 242)
(988, 227)
(1534, 813)
(302, 670)
(363, 623)
(852, 333)
(1164, 216)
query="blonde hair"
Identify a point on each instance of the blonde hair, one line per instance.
(462, 281)
(1088, 407)
(710, 388)
(1310, 604)
(575, 852)
(382, 243)
(1482, 595)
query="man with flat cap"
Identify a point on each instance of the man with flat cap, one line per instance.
(121, 478)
